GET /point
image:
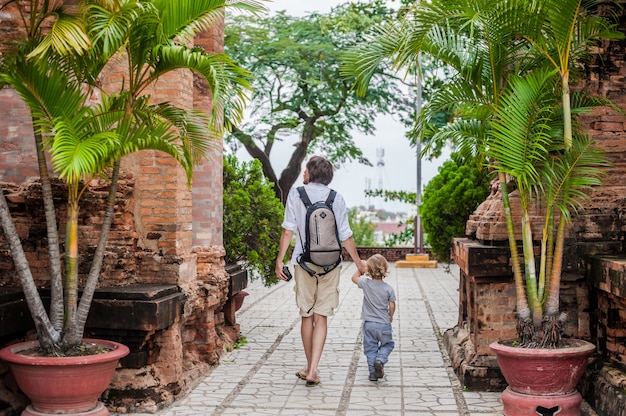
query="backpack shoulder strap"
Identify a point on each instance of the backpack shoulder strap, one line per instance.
(304, 197)
(331, 198)
(304, 266)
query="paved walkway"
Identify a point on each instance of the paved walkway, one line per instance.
(259, 378)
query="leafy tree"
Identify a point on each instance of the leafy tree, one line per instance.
(298, 91)
(362, 230)
(252, 218)
(448, 200)
(55, 70)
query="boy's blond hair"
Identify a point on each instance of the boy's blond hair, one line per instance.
(377, 266)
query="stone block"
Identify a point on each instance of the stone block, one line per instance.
(138, 307)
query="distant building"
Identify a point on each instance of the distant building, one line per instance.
(384, 229)
(385, 223)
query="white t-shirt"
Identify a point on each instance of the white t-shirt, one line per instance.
(295, 214)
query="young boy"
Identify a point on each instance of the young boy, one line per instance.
(379, 305)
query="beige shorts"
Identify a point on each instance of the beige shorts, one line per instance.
(316, 295)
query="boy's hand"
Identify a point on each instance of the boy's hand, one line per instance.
(360, 267)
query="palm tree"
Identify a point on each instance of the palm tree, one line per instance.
(561, 33)
(56, 74)
(528, 146)
(509, 59)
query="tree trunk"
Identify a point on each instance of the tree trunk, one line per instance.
(71, 274)
(523, 311)
(290, 174)
(56, 275)
(98, 258)
(48, 336)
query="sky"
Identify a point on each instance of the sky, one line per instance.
(396, 170)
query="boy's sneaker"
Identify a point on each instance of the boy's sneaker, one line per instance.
(373, 377)
(379, 369)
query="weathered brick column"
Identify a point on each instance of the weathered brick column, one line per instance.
(207, 185)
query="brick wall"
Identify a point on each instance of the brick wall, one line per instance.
(17, 156)
(28, 215)
(600, 230)
(608, 276)
(605, 379)
(164, 204)
(10, 28)
(392, 254)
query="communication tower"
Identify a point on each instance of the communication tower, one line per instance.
(380, 166)
(368, 187)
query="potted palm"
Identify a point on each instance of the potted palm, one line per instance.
(558, 177)
(56, 71)
(512, 64)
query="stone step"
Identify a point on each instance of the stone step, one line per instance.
(417, 257)
(417, 264)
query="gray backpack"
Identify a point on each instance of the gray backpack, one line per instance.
(321, 245)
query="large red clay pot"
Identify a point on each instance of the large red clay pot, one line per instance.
(541, 379)
(64, 385)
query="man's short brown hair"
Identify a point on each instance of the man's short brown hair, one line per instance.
(320, 170)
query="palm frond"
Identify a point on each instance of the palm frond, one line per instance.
(461, 98)
(79, 153)
(191, 127)
(522, 130)
(183, 134)
(109, 26)
(468, 108)
(67, 35)
(143, 38)
(468, 137)
(575, 172)
(46, 90)
(361, 62)
(228, 82)
(184, 19)
(563, 31)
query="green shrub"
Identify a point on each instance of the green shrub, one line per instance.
(448, 200)
(252, 218)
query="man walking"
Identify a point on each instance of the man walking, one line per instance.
(316, 296)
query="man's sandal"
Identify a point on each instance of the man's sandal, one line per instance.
(313, 383)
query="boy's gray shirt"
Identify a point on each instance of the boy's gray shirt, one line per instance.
(376, 297)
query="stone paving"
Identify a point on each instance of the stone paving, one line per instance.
(259, 377)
